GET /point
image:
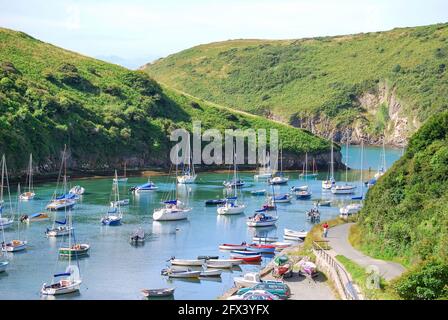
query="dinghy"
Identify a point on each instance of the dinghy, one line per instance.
(214, 202)
(219, 264)
(284, 198)
(207, 257)
(30, 194)
(155, 293)
(261, 248)
(211, 273)
(323, 203)
(78, 190)
(244, 252)
(299, 188)
(258, 192)
(234, 184)
(295, 234)
(234, 262)
(121, 203)
(246, 258)
(172, 211)
(61, 204)
(228, 246)
(138, 236)
(185, 262)
(281, 245)
(3, 265)
(184, 274)
(264, 239)
(71, 282)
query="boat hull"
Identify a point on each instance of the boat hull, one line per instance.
(252, 258)
(181, 262)
(73, 287)
(343, 190)
(187, 274)
(227, 210)
(66, 252)
(295, 234)
(268, 223)
(186, 179)
(14, 246)
(153, 293)
(3, 266)
(27, 196)
(170, 215)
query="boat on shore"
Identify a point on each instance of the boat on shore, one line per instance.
(261, 248)
(295, 234)
(247, 280)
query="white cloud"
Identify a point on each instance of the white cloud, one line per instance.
(73, 19)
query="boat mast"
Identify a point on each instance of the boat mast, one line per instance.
(346, 161)
(362, 165)
(331, 161)
(125, 168)
(18, 207)
(306, 167)
(3, 176)
(30, 178)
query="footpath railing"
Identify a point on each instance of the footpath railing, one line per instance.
(339, 275)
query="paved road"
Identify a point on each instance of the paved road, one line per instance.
(338, 237)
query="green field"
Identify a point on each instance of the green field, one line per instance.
(365, 81)
(105, 113)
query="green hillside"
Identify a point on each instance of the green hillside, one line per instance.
(105, 113)
(377, 81)
(405, 216)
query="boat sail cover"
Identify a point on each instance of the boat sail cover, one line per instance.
(61, 222)
(170, 202)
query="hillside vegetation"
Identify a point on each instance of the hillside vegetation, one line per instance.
(105, 113)
(373, 82)
(405, 216)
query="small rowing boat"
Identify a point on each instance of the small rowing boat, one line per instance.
(185, 262)
(264, 239)
(228, 246)
(124, 202)
(211, 273)
(261, 248)
(76, 250)
(138, 236)
(246, 258)
(35, 217)
(295, 234)
(184, 274)
(219, 264)
(152, 293)
(244, 252)
(207, 257)
(234, 262)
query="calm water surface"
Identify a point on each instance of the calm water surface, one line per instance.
(116, 270)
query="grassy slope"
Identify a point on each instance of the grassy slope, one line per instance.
(302, 78)
(50, 96)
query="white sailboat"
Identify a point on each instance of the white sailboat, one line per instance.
(113, 215)
(15, 245)
(304, 192)
(122, 179)
(231, 205)
(261, 218)
(279, 177)
(60, 228)
(4, 222)
(30, 194)
(382, 167)
(188, 174)
(173, 209)
(71, 279)
(265, 171)
(345, 188)
(330, 182)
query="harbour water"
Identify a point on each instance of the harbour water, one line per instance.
(117, 270)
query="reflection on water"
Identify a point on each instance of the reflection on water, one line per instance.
(115, 269)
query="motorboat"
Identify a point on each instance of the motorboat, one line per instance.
(343, 189)
(14, 246)
(173, 210)
(35, 217)
(247, 280)
(58, 231)
(284, 198)
(75, 250)
(303, 194)
(146, 187)
(138, 236)
(61, 204)
(121, 203)
(78, 190)
(215, 202)
(260, 219)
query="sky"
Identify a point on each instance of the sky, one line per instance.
(134, 32)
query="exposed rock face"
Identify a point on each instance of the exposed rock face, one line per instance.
(398, 126)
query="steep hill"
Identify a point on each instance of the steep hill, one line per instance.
(367, 83)
(405, 216)
(105, 113)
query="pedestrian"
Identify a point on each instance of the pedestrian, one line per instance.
(325, 226)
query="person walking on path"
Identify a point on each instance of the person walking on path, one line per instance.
(325, 226)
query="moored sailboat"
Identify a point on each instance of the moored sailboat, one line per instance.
(345, 188)
(113, 215)
(30, 194)
(330, 182)
(15, 245)
(4, 222)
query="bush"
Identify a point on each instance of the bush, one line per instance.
(428, 282)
